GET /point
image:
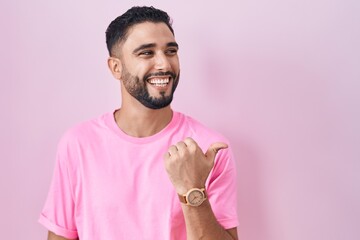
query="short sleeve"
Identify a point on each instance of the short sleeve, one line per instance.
(58, 213)
(222, 190)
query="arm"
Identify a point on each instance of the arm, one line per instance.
(188, 167)
(53, 236)
(57, 215)
(201, 222)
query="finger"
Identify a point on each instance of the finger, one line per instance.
(190, 142)
(181, 146)
(172, 150)
(167, 155)
(213, 150)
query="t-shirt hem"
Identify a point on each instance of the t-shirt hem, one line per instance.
(71, 234)
(229, 223)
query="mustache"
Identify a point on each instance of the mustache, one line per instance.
(159, 74)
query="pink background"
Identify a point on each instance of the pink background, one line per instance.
(281, 79)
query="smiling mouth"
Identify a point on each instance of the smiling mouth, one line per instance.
(159, 82)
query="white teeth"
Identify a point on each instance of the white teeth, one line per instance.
(159, 81)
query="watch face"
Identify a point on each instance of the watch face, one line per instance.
(195, 197)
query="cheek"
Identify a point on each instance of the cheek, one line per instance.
(175, 64)
(136, 65)
(141, 69)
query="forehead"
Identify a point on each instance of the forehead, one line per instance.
(146, 33)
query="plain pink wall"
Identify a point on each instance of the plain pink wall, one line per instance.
(281, 79)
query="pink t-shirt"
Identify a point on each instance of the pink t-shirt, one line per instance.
(108, 185)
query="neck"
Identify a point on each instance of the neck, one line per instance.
(142, 122)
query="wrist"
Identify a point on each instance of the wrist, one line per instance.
(184, 186)
(193, 197)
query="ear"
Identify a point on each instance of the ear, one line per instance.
(115, 67)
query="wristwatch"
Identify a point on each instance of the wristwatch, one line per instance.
(194, 197)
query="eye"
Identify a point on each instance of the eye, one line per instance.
(171, 51)
(146, 53)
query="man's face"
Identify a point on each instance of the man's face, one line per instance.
(150, 64)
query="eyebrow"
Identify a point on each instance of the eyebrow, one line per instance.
(172, 44)
(151, 45)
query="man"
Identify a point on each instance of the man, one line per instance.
(140, 172)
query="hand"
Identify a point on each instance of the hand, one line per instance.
(187, 166)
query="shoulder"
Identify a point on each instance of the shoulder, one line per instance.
(80, 139)
(86, 131)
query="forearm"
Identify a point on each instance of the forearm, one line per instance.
(188, 168)
(202, 224)
(53, 236)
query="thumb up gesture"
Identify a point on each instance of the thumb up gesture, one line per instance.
(187, 166)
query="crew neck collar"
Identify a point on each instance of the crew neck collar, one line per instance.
(110, 121)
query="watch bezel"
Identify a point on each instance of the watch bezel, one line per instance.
(191, 191)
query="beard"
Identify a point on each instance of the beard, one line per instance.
(138, 89)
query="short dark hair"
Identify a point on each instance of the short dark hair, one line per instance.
(118, 28)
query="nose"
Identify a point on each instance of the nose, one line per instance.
(162, 62)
